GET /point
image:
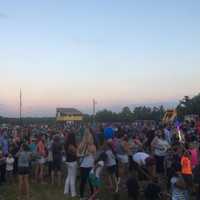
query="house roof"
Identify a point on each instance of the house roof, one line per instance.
(68, 111)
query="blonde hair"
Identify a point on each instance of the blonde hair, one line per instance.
(86, 142)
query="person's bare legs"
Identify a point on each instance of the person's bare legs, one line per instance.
(110, 182)
(27, 187)
(52, 177)
(152, 171)
(59, 177)
(116, 183)
(20, 186)
(94, 194)
(41, 173)
(37, 170)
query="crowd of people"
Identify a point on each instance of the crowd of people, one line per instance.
(146, 161)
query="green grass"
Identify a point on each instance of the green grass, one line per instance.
(46, 192)
(38, 192)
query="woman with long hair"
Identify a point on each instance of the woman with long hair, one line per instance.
(111, 166)
(160, 147)
(41, 152)
(56, 149)
(71, 161)
(87, 152)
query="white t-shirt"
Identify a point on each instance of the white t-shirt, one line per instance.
(177, 194)
(161, 147)
(9, 164)
(88, 161)
(140, 158)
(110, 161)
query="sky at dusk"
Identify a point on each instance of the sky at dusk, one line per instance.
(64, 53)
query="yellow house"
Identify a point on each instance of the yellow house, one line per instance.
(68, 115)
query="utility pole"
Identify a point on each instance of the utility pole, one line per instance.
(94, 109)
(20, 106)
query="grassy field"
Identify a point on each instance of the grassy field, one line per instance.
(50, 192)
(47, 192)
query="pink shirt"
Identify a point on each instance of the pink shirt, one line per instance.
(41, 148)
(194, 157)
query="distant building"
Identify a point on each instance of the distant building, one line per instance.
(170, 116)
(68, 115)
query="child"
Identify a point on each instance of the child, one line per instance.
(9, 167)
(178, 185)
(94, 177)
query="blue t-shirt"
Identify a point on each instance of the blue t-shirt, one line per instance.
(108, 133)
(23, 159)
(32, 147)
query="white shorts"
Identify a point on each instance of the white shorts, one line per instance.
(122, 158)
(41, 160)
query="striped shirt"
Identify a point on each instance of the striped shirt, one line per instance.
(177, 193)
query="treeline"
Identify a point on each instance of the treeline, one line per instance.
(186, 106)
(28, 120)
(189, 106)
(126, 115)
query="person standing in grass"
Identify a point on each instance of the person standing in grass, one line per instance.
(178, 185)
(71, 161)
(40, 149)
(111, 166)
(56, 149)
(2, 168)
(186, 170)
(87, 152)
(160, 147)
(23, 171)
